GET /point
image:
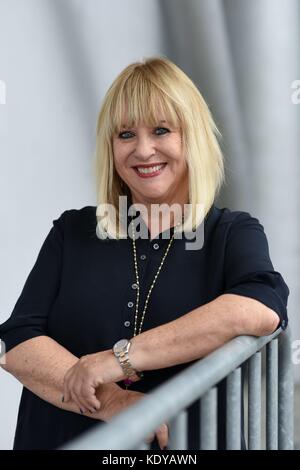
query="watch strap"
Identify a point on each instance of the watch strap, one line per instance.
(128, 370)
(124, 361)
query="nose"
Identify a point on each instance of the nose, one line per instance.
(145, 146)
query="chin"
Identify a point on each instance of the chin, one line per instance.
(156, 196)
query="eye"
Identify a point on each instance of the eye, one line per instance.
(125, 135)
(161, 130)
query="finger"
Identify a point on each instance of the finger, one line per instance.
(87, 406)
(162, 434)
(66, 388)
(85, 398)
(76, 393)
(65, 394)
(88, 397)
(68, 385)
(77, 402)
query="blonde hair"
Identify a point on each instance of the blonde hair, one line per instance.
(144, 90)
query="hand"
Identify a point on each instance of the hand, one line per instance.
(114, 400)
(87, 374)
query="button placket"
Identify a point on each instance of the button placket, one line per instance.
(144, 256)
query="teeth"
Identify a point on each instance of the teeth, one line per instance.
(150, 169)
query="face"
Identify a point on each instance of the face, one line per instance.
(151, 162)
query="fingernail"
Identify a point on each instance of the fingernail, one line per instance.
(62, 398)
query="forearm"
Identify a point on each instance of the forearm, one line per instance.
(201, 331)
(40, 364)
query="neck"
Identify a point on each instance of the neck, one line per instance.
(158, 215)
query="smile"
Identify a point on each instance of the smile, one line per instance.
(150, 171)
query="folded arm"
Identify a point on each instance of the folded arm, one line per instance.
(201, 331)
(190, 337)
(40, 364)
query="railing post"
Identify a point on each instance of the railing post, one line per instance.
(254, 402)
(208, 413)
(285, 393)
(272, 395)
(233, 402)
(178, 432)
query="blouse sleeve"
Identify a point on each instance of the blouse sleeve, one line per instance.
(249, 270)
(29, 316)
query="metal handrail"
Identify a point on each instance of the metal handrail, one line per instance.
(168, 400)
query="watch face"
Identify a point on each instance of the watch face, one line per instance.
(120, 346)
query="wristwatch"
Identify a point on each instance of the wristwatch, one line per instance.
(121, 350)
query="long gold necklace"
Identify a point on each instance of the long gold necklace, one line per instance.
(136, 329)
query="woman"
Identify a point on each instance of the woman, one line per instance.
(170, 298)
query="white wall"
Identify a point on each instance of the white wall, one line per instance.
(57, 59)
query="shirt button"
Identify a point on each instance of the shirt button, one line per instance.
(134, 286)
(130, 304)
(127, 323)
(156, 246)
(143, 256)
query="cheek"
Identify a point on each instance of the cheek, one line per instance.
(120, 166)
(177, 161)
(120, 154)
(118, 157)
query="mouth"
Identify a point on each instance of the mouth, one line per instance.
(147, 171)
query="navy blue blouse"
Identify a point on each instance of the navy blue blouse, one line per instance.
(81, 293)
